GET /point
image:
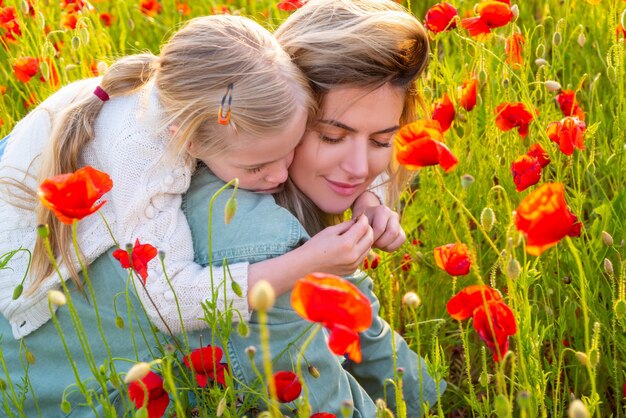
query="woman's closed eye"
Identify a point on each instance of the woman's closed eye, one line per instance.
(330, 139)
(382, 143)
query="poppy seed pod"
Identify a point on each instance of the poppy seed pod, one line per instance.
(552, 85)
(607, 239)
(487, 219)
(262, 296)
(577, 409)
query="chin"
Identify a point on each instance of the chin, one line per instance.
(336, 209)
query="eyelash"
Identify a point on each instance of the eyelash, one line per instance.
(254, 170)
(330, 140)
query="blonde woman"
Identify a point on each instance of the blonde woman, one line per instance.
(362, 59)
(222, 91)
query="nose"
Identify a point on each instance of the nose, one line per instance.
(278, 171)
(355, 159)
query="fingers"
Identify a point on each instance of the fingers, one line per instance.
(390, 241)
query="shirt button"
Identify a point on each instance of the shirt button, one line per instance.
(150, 212)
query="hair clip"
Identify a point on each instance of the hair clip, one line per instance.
(224, 119)
(101, 94)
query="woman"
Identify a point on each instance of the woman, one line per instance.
(362, 59)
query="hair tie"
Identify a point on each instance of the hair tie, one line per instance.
(223, 114)
(101, 94)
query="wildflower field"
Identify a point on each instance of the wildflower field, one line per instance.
(512, 283)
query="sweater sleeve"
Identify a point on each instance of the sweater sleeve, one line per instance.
(146, 199)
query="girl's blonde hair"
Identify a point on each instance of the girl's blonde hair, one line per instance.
(355, 43)
(191, 76)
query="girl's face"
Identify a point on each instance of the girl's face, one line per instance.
(260, 163)
(348, 146)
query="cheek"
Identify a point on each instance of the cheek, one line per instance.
(379, 161)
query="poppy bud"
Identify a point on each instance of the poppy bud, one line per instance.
(221, 407)
(230, 209)
(242, 329)
(487, 219)
(44, 69)
(582, 358)
(502, 406)
(3, 385)
(75, 42)
(83, 34)
(66, 407)
(581, 39)
(24, 7)
(137, 372)
(467, 180)
(43, 231)
(557, 38)
(347, 407)
(540, 51)
(56, 298)
(577, 409)
(567, 279)
(608, 267)
(262, 296)
(41, 20)
(102, 67)
(251, 351)
(411, 299)
(607, 239)
(513, 269)
(540, 62)
(484, 379)
(620, 309)
(515, 11)
(49, 50)
(161, 255)
(236, 288)
(30, 357)
(313, 371)
(482, 77)
(17, 292)
(552, 85)
(505, 83)
(622, 19)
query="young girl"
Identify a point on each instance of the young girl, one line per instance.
(221, 91)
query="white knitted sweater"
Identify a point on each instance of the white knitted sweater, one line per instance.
(145, 203)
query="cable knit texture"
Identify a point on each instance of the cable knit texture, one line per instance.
(145, 203)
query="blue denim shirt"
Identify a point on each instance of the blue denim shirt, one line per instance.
(259, 230)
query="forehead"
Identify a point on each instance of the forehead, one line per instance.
(362, 108)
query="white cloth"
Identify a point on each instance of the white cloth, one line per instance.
(145, 203)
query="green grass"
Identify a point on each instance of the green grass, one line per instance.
(543, 371)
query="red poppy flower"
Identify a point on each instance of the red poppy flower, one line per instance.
(513, 48)
(443, 112)
(30, 101)
(74, 5)
(513, 115)
(543, 216)
(407, 260)
(69, 20)
(10, 24)
(373, 264)
(453, 258)
(420, 144)
(25, 68)
(338, 305)
(142, 254)
(157, 401)
(183, 9)
(205, 363)
(462, 305)
(536, 151)
(290, 5)
(467, 94)
(569, 133)
(494, 323)
(620, 31)
(106, 19)
(73, 196)
(526, 172)
(568, 104)
(288, 387)
(329, 415)
(150, 7)
(492, 14)
(441, 17)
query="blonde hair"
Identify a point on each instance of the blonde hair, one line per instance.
(191, 76)
(355, 43)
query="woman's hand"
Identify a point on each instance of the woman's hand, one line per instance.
(385, 223)
(340, 249)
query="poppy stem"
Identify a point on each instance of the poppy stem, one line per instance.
(301, 356)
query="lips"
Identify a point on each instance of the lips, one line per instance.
(343, 189)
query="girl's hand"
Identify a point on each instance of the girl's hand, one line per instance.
(340, 249)
(385, 223)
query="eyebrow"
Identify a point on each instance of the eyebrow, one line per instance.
(345, 127)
